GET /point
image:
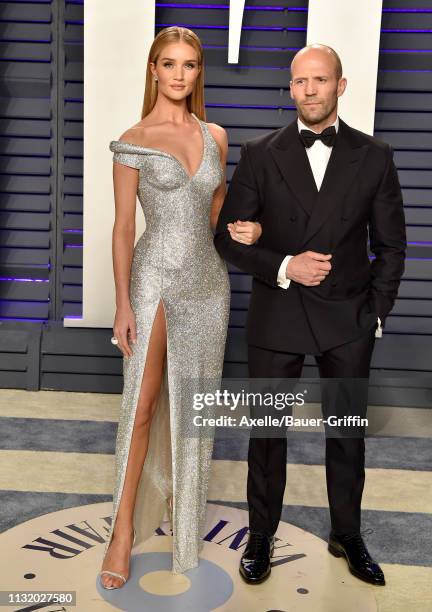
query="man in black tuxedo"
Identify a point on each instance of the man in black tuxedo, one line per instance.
(316, 186)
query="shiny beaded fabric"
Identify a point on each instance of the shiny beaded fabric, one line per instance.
(174, 261)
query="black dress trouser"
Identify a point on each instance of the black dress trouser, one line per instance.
(345, 456)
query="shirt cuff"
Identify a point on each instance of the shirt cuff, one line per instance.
(378, 331)
(282, 280)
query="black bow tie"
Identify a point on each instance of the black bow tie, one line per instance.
(328, 136)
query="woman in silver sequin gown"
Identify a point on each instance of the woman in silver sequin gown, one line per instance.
(174, 261)
(175, 264)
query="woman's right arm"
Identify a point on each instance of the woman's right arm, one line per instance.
(125, 181)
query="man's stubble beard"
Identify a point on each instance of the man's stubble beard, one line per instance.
(315, 119)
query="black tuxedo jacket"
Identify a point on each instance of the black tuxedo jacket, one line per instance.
(273, 183)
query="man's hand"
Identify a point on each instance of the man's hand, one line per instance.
(308, 268)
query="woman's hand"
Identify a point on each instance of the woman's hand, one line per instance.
(246, 232)
(124, 324)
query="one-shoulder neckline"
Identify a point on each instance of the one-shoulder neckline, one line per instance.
(170, 155)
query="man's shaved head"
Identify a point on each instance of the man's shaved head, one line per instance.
(316, 84)
(319, 48)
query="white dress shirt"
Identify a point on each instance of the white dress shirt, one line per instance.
(319, 155)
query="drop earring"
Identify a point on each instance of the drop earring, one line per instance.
(155, 78)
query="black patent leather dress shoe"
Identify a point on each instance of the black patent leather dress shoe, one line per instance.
(360, 563)
(255, 561)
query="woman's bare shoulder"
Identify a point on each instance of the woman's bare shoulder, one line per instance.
(134, 135)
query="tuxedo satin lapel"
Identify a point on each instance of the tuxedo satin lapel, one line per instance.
(344, 163)
(291, 158)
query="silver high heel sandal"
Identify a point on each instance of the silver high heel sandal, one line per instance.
(116, 574)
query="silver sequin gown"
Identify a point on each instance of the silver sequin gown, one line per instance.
(174, 261)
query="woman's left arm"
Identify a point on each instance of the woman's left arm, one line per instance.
(220, 135)
(247, 232)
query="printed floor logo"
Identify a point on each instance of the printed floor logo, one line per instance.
(62, 551)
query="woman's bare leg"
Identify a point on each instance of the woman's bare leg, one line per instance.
(118, 553)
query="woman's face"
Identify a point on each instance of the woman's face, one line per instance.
(177, 70)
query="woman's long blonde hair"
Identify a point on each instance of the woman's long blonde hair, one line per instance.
(195, 100)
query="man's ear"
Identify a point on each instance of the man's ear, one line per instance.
(341, 86)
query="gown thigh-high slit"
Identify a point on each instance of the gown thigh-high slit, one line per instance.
(174, 263)
(153, 370)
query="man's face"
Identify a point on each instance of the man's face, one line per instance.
(314, 86)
